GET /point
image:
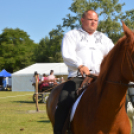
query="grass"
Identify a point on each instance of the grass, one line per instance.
(18, 114)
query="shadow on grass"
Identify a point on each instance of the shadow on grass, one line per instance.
(6, 90)
(23, 102)
(44, 121)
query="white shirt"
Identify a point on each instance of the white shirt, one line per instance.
(33, 80)
(80, 48)
(42, 79)
(51, 77)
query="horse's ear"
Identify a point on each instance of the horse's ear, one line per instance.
(127, 31)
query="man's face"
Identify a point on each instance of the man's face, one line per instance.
(90, 22)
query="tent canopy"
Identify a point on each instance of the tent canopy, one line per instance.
(4, 73)
(22, 79)
(59, 69)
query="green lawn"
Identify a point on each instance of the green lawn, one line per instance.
(18, 114)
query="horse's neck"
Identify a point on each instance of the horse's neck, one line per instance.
(117, 68)
(111, 85)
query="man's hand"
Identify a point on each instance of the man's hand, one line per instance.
(83, 70)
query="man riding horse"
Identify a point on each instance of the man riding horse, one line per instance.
(83, 49)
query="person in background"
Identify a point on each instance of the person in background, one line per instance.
(44, 82)
(52, 79)
(4, 83)
(34, 80)
(9, 82)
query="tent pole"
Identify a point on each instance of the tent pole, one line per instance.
(36, 88)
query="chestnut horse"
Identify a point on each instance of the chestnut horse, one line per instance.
(101, 109)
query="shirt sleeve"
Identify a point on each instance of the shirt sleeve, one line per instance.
(33, 79)
(111, 45)
(68, 49)
(42, 79)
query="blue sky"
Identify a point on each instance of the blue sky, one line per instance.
(37, 17)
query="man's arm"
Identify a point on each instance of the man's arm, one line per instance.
(83, 70)
(69, 46)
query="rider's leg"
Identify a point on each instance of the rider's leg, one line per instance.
(66, 100)
(64, 104)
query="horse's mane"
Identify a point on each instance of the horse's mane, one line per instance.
(108, 61)
(106, 65)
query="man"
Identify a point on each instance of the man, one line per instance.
(4, 83)
(82, 49)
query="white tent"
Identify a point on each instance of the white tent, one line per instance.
(22, 79)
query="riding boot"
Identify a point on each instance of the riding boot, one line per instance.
(65, 102)
(60, 118)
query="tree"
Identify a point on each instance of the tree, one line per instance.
(128, 18)
(16, 49)
(50, 47)
(42, 51)
(110, 14)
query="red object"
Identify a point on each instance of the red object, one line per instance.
(44, 84)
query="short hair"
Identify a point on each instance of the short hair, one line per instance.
(44, 75)
(51, 71)
(85, 13)
(35, 73)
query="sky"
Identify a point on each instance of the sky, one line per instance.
(38, 17)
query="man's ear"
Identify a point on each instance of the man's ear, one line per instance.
(82, 20)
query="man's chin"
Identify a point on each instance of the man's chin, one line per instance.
(92, 30)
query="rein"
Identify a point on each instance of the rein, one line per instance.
(115, 82)
(120, 83)
(130, 66)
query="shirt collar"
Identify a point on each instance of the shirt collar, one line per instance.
(81, 30)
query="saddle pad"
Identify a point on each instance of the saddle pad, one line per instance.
(75, 106)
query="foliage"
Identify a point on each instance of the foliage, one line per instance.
(16, 49)
(128, 18)
(49, 49)
(110, 14)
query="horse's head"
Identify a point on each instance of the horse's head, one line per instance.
(120, 60)
(127, 42)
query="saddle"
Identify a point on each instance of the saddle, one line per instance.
(87, 80)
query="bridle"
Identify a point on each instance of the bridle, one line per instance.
(116, 82)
